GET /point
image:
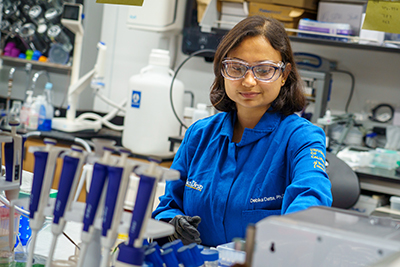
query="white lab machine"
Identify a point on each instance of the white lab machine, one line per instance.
(158, 16)
(322, 236)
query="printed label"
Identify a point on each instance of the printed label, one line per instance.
(136, 97)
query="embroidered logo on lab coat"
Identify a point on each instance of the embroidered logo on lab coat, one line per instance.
(192, 184)
(319, 161)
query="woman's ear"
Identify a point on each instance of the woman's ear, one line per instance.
(288, 69)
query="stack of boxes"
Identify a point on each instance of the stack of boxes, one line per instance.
(289, 12)
(320, 16)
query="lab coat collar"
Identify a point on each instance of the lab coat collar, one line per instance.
(267, 124)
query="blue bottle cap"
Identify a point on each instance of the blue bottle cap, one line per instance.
(185, 256)
(198, 259)
(167, 246)
(169, 258)
(176, 244)
(155, 245)
(153, 256)
(48, 86)
(210, 254)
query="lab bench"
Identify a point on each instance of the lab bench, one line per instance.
(379, 180)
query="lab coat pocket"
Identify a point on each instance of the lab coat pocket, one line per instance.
(254, 216)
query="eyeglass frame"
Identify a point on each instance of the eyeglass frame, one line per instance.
(280, 66)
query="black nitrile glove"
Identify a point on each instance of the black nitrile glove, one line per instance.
(186, 229)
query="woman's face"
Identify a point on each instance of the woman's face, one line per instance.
(248, 93)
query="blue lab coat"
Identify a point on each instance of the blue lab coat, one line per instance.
(277, 168)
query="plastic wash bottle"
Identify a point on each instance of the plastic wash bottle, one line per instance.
(149, 118)
(46, 109)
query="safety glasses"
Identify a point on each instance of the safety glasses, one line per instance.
(266, 71)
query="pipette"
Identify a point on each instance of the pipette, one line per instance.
(131, 253)
(70, 174)
(45, 164)
(118, 180)
(96, 191)
(13, 153)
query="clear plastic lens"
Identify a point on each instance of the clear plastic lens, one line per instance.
(267, 72)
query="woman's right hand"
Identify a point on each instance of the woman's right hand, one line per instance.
(186, 229)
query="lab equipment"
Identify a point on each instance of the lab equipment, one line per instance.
(166, 16)
(46, 109)
(32, 39)
(210, 257)
(45, 161)
(317, 90)
(313, 62)
(70, 173)
(132, 253)
(72, 19)
(95, 77)
(145, 131)
(13, 155)
(118, 179)
(95, 198)
(169, 258)
(322, 236)
(56, 35)
(57, 54)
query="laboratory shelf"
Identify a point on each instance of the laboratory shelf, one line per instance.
(52, 67)
(352, 45)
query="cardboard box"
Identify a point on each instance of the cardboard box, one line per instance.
(350, 13)
(235, 9)
(306, 4)
(289, 16)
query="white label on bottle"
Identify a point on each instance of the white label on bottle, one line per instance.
(136, 97)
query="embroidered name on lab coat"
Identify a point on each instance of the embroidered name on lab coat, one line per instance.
(194, 185)
(319, 161)
(265, 199)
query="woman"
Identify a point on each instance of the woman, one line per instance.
(254, 159)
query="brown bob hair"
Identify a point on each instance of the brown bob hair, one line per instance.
(291, 98)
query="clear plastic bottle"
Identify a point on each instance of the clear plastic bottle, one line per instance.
(46, 110)
(34, 113)
(26, 109)
(15, 110)
(200, 113)
(210, 257)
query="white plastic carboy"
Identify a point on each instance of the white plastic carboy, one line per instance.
(149, 118)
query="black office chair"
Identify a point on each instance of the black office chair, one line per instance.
(345, 184)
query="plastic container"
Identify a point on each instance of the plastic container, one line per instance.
(395, 203)
(210, 257)
(46, 109)
(15, 110)
(25, 110)
(149, 119)
(200, 112)
(6, 255)
(229, 256)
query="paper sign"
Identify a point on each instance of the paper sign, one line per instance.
(382, 16)
(122, 2)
